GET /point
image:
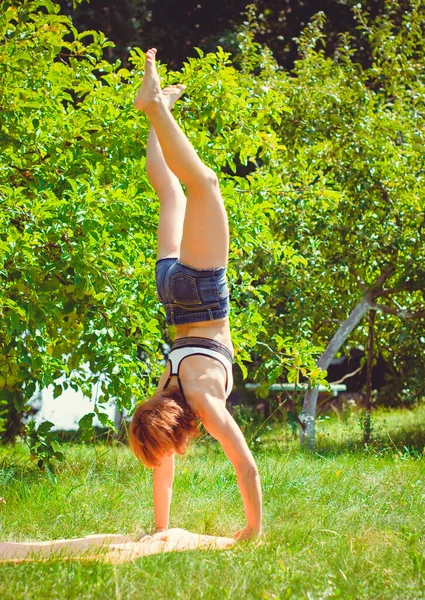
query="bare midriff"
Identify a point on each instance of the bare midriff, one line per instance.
(218, 330)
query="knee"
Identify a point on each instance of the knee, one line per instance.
(207, 178)
(211, 177)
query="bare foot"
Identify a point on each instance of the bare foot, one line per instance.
(150, 93)
(172, 93)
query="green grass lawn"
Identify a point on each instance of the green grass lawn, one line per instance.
(345, 522)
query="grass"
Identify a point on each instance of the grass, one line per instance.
(345, 522)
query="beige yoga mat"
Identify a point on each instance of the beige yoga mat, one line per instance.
(111, 548)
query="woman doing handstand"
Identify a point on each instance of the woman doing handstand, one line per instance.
(193, 244)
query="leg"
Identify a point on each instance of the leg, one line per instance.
(205, 239)
(170, 194)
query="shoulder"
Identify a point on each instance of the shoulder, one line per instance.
(204, 403)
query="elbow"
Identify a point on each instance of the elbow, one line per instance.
(248, 472)
(211, 178)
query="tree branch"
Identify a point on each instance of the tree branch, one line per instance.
(385, 273)
(402, 314)
(346, 376)
(383, 276)
(387, 292)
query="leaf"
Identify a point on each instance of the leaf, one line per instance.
(8, 303)
(257, 319)
(44, 427)
(86, 422)
(105, 420)
(244, 370)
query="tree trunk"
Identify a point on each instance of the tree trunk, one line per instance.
(369, 371)
(13, 425)
(308, 414)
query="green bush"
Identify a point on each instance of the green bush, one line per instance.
(322, 173)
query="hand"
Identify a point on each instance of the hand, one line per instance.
(248, 533)
(160, 534)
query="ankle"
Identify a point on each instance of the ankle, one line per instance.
(154, 104)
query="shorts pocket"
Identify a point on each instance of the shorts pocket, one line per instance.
(184, 290)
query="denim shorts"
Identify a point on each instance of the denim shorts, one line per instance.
(191, 295)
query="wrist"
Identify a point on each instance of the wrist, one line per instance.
(255, 529)
(248, 533)
(159, 533)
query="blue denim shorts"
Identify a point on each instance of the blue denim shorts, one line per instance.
(191, 295)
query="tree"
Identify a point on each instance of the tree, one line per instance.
(354, 168)
(79, 218)
(77, 239)
(321, 169)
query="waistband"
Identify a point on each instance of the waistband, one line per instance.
(200, 342)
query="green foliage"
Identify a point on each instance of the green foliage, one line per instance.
(354, 169)
(77, 222)
(321, 170)
(333, 194)
(43, 444)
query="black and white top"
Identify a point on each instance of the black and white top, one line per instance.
(197, 346)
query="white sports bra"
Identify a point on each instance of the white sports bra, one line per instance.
(193, 346)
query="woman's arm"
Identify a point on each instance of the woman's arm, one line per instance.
(163, 477)
(220, 424)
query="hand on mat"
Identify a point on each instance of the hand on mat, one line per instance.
(248, 533)
(160, 534)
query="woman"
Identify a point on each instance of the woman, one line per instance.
(193, 243)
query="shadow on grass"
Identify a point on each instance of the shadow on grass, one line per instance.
(16, 463)
(16, 466)
(407, 441)
(394, 433)
(391, 434)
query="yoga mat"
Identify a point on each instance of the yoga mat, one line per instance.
(111, 548)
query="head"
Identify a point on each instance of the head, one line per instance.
(162, 425)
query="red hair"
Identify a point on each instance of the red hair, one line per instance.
(161, 425)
